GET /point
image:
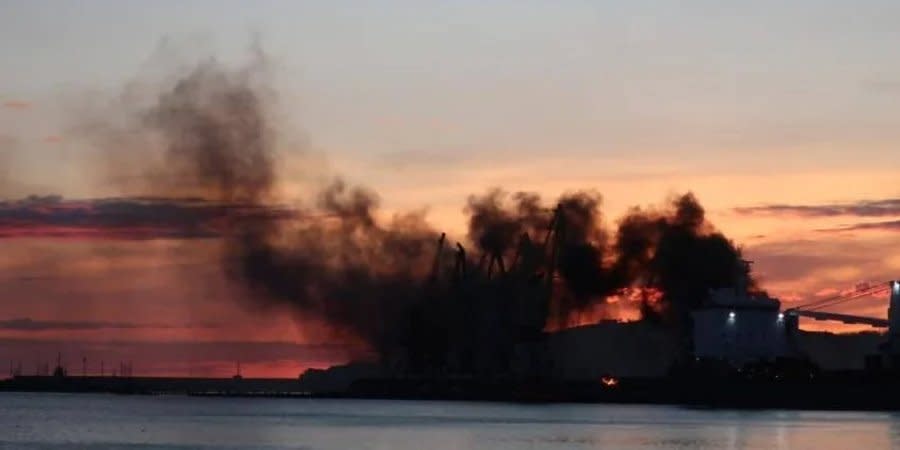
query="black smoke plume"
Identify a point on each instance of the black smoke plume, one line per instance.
(336, 262)
(395, 284)
(676, 250)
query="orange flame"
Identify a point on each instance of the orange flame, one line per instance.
(622, 307)
(609, 381)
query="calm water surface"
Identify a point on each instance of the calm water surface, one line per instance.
(42, 421)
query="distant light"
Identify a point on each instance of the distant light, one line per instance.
(780, 317)
(731, 315)
(896, 285)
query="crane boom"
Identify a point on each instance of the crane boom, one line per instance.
(845, 318)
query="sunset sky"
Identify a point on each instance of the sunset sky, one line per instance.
(782, 118)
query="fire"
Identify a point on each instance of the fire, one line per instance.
(622, 307)
(650, 295)
(609, 381)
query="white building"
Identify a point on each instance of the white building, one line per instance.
(739, 328)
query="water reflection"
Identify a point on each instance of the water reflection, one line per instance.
(103, 422)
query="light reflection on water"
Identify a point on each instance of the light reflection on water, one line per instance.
(41, 421)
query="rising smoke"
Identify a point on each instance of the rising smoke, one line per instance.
(675, 250)
(390, 284)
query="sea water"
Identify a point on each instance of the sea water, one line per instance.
(87, 421)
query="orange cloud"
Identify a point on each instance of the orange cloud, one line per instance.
(16, 104)
(53, 139)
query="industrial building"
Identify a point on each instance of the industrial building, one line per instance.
(740, 328)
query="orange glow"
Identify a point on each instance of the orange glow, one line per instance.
(609, 381)
(622, 307)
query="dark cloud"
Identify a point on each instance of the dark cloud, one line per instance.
(124, 218)
(862, 208)
(28, 324)
(796, 260)
(888, 225)
(805, 270)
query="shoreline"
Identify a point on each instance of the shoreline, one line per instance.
(846, 391)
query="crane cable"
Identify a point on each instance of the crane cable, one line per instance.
(850, 298)
(839, 300)
(855, 294)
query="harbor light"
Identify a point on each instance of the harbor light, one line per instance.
(781, 317)
(731, 317)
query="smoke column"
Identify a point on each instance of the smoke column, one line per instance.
(334, 260)
(675, 250)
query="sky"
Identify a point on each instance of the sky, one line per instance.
(780, 117)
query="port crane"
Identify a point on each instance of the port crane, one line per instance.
(890, 349)
(814, 310)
